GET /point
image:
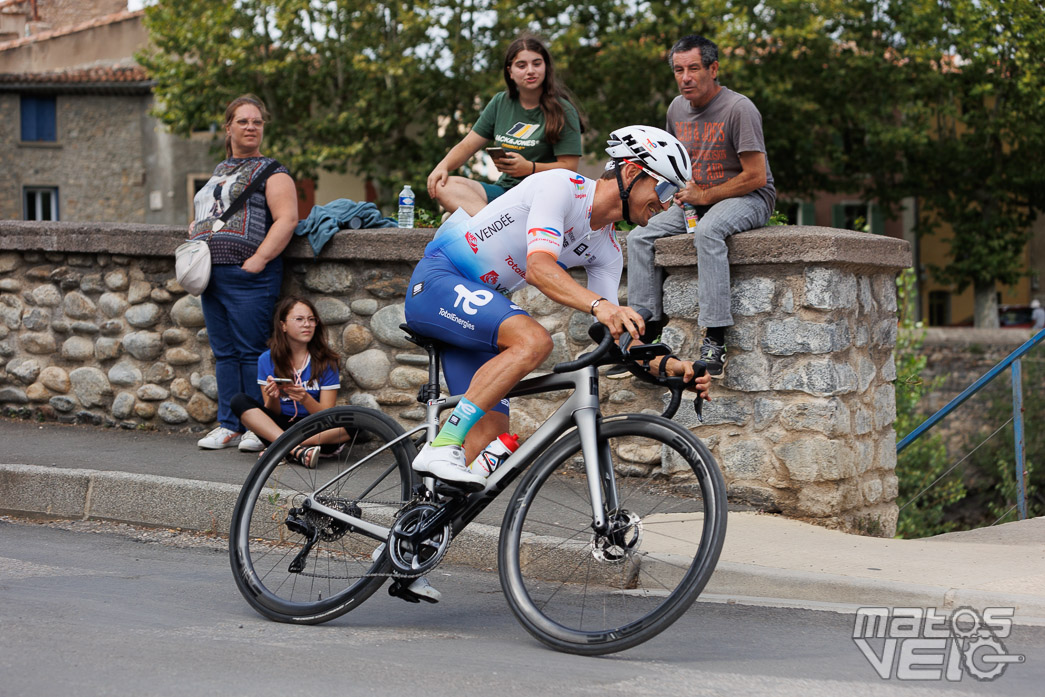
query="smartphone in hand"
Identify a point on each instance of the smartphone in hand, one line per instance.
(496, 152)
(282, 380)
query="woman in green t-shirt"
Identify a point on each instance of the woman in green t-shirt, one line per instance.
(534, 125)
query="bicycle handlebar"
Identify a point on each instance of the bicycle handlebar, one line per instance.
(590, 358)
(602, 352)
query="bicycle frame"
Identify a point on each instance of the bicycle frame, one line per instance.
(581, 408)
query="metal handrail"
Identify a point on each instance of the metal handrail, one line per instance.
(1013, 360)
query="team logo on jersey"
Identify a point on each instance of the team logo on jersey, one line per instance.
(579, 250)
(418, 287)
(489, 278)
(467, 299)
(472, 242)
(544, 232)
(522, 130)
(514, 266)
(578, 182)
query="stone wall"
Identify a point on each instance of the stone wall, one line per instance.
(93, 328)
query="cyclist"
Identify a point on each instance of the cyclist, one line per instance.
(532, 234)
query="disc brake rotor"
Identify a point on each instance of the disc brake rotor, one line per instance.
(624, 536)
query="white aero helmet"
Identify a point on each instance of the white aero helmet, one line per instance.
(656, 152)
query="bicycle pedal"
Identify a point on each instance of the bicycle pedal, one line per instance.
(399, 589)
(455, 490)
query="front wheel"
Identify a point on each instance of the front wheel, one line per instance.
(588, 592)
(292, 563)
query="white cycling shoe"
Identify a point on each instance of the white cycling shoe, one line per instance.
(447, 464)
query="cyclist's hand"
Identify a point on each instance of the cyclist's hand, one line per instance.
(684, 369)
(437, 178)
(620, 319)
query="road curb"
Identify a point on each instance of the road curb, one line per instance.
(189, 504)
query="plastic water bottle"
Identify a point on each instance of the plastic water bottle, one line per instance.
(691, 217)
(406, 207)
(495, 453)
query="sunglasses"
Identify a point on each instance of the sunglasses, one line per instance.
(664, 189)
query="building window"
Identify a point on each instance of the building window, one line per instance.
(195, 182)
(38, 119)
(797, 212)
(40, 203)
(939, 308)
(862, 217)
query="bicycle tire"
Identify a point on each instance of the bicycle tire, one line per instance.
(337, 572)
(582, 593)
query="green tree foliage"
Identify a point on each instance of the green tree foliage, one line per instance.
(376, 86)
(982, 101)
(926, 490)
(884, 99)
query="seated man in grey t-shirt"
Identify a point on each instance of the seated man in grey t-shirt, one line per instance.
(731, 190)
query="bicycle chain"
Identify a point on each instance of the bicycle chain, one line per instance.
(384, 575)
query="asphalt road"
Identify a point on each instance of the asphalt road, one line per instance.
(93, 608)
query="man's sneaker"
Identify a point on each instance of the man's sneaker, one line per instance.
(447, 464)
(714, 356)
(250, 443)
(219, 438)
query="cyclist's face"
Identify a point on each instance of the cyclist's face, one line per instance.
(643, 202)
(527, 70)
(696, 83)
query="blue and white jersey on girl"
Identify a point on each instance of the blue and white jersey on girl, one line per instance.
(329, 380)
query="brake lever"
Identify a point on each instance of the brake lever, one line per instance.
(699, 369)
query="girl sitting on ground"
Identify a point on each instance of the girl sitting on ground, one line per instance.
(298, 376)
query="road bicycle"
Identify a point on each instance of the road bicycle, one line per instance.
(609, 537)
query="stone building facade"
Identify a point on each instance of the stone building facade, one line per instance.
(94, 329)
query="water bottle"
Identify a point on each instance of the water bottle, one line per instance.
(406, 207)
(691, 217)
(495, 453)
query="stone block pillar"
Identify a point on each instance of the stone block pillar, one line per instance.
(802, 422)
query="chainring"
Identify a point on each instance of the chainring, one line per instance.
(405, 558)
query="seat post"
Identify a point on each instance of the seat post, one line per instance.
(430, 390)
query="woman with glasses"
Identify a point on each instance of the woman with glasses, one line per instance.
(298, 376)
(246, 271)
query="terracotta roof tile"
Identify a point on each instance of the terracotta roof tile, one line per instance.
(88, 75)
(83, 26)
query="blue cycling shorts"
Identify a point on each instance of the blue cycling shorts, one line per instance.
(464, 314)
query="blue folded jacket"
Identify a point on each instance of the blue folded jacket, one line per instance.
(342, 214)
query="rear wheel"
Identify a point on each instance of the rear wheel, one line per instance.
(276, 570)
(588, 592)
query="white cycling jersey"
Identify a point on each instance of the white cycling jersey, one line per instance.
(548, 212)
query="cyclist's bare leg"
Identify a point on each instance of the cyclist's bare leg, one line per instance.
(524, 345)
(460, 192)
(493, 424)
